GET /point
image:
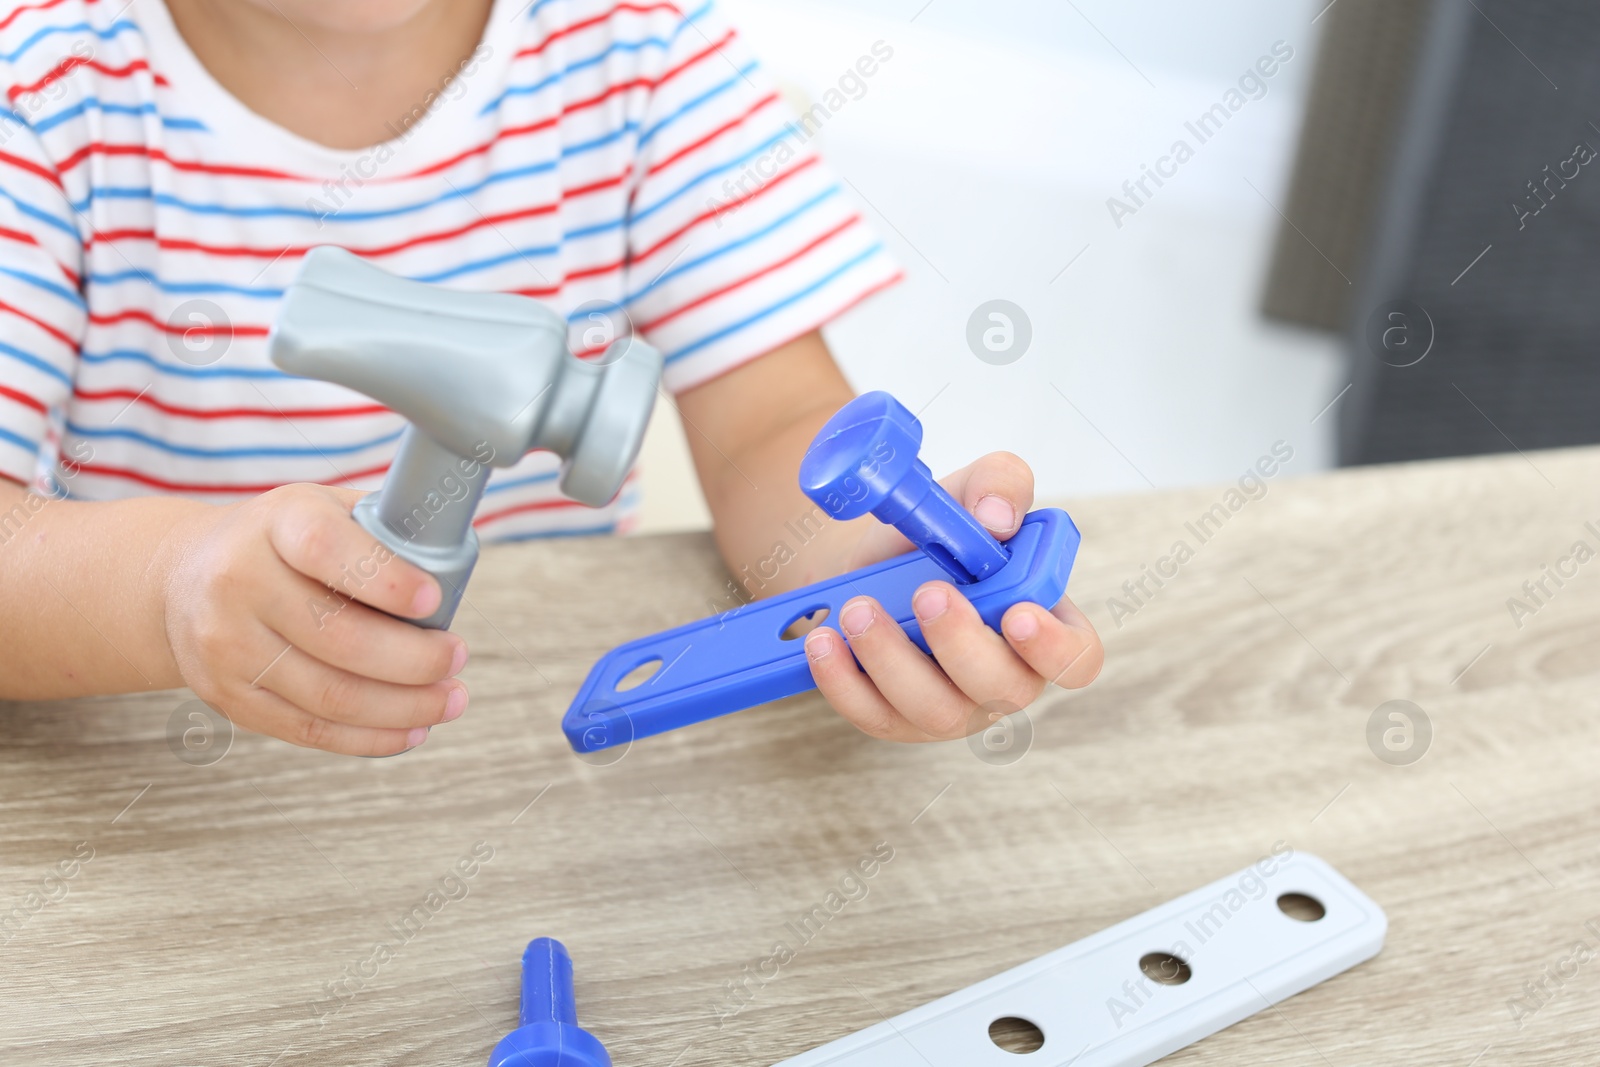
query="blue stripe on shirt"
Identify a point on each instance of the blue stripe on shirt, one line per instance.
(517, 483)
(256, 451)
(549, 80)
(132, 355)
(710, 94)
(31, 360)
(50, 122)
(644, 213)
(69, 295)
(80, 27)
(771, 227)
(43, 216)
(20, 441)
(773, 309)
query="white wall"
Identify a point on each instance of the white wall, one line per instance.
(985, 152)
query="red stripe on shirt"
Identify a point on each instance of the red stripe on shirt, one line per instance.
(32, 168)
(200, 487)
(99, 148)
(18, 12)
(595, 21)
(174, 244)
(71, 63)
(22, 398)
(140, 315)
(711, 49)
(141, 398)
(732, 124)
(532, 505)
(193, 166)
(707, 216)
(59, 334)
(747, 279)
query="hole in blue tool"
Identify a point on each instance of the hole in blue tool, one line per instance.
(804, 622)
(639, 675)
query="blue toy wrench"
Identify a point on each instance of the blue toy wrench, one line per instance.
(864, 461)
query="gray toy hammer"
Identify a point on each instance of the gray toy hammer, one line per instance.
(482, 379)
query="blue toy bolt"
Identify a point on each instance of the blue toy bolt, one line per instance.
(864, 459)
(549, 1035)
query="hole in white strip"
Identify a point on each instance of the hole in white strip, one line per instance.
(1165, 968)
(1014, 1034)
(1301, 908)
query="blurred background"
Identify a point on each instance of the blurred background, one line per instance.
(1336, 261)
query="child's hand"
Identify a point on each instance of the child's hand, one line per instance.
(905, 696)
(257, 632)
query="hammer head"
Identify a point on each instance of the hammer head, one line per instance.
(481, 374)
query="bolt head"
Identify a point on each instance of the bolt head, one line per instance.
(549, 1045)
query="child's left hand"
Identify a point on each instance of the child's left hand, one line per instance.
(905, 696)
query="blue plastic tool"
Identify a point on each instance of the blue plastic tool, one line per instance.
(864, 460)
(549, 1035)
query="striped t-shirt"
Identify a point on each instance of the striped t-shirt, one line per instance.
(592, 154)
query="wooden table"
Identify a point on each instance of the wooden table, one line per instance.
(225, 904)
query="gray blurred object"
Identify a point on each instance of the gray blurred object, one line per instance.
(1365, 61)
(482, 379)
(1472, 323)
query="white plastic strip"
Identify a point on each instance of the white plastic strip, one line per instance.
(1243, 951)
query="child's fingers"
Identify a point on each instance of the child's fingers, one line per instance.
(1061, 645)
(975, 658)
(852, 693)
(314, 534)
(265, 712)
(342, 697)
(908, 680)
(997, 489)
(355, 638)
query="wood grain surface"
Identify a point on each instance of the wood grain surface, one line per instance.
(273, 907)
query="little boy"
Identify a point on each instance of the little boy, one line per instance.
(170, 502)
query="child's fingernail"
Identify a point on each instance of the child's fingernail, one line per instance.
(458, 659)
(930, 603)
(416, 736)
(819, 644)
(855, 619)
(455, 703)
(426, 599)
(1020, 625)
(996, 513)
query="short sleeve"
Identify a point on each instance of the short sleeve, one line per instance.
(42, 314)
(740, 239)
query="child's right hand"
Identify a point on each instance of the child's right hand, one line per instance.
(259, 634)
